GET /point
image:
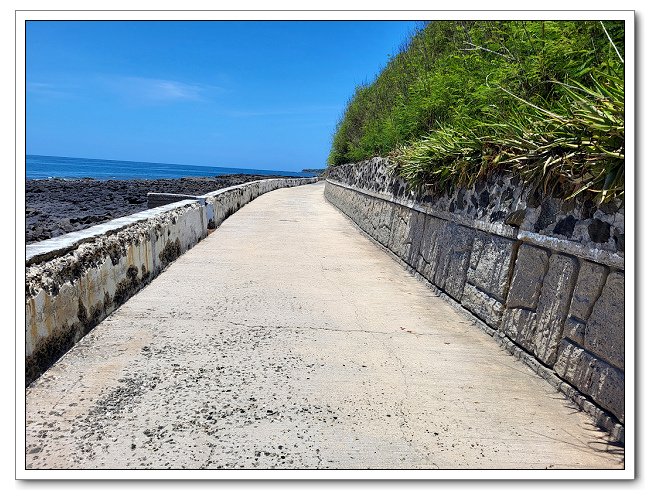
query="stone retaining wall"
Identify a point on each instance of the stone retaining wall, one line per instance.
(74, 281)
(544, 274)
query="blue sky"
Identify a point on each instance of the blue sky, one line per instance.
(244, 94)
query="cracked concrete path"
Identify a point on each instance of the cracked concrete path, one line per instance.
(287, 339)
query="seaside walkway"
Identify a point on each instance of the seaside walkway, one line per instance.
(287, 339)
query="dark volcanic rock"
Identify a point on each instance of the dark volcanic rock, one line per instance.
(619, 239)
(599, 231)
(516, 218)
(566, 226)
(547, 214)
(56, 206)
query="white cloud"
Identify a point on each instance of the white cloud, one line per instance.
(134, 89)
(48, 90)
(155, 90)
(163, 90)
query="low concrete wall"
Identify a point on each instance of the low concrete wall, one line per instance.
(155, 200)
(74, 281)
(547, 277)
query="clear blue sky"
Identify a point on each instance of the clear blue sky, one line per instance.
(244, 94)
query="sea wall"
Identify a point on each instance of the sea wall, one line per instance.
(545, 275)
(74, 281)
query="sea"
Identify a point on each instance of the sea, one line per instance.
(48, 167)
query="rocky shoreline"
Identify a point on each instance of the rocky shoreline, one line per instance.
(57, 206)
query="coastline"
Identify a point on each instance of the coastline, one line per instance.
(58, 206)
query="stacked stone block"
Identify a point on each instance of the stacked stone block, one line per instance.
(488, 276)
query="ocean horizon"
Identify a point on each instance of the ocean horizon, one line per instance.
(63, 167)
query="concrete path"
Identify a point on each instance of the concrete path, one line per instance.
(287, 339)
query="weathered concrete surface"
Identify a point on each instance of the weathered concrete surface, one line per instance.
(287, 339)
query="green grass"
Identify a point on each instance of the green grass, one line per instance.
(464, 99)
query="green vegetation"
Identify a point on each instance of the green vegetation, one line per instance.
(466, 98)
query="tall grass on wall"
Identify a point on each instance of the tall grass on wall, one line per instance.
(463, 98)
